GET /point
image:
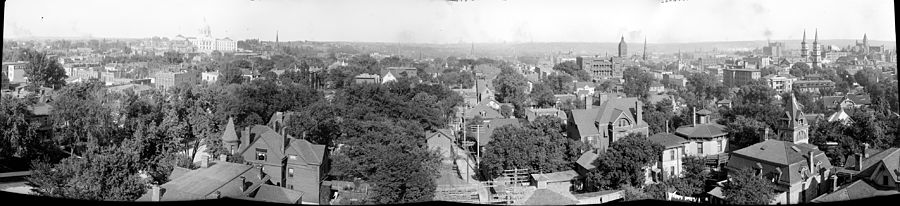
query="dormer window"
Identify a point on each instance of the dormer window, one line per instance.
(261, 154)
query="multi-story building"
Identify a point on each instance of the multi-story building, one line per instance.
(799, 170)
(210, 77)
(704, 138)
(670, 161)
(367, 78)
(774, 49)
(598, 126)
(737, 77)
(813, 85)
(780, 83)
(166, 80)
(293, 163)
(600, 68)
(15, 71)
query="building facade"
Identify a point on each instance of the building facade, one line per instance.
(737, 77)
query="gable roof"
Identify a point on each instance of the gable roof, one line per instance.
(586, 160)
(275, 194)
(667, 140)
(549, 197)
(490, 113)
(201, 183)
(786, 156)
(856, 190)
(889, 160)
(488, 130)
(308, 152)
(584, 120)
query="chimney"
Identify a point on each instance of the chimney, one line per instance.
(243, 183)
(223, 158)
(638, 107)
(834, 183)
(694, 117)
(156, 193)
(765, 134)
(859, 162)
(812, 164)
(204, 161)
(865, 148)
(588, 102)
(262, 174)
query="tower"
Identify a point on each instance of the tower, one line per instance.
(623, 48)
(276, 36)
(815, 51)
(865, 43)
(793, 126)
(644, 55)
(803, 50)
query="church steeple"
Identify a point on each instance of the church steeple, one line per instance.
(803, 50)
(644, 55)
(816, 52)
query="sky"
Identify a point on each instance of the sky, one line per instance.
(440, 21)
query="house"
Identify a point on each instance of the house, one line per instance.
(705, 138)
(584, 88)
(601, 125)
(485, 90)
(367, 78)
(780, 83)
(209, 77)
(800, 171)
(856, 190)
(878, 167)
(814, 118)
(393, 73)
(221, 179)
(840, 116)
(347, 193)
(725, 103)
(657, 88)
(846, 101)
(442, 141)
(671, 159)
(485, 131)
(484, 110)
(294, 163)
(532, 114)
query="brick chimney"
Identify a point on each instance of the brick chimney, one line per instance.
(859, 162)
(588, 102)
(155, 193)
(638, 107)
(243, 183)
(812, 164)
(204, 161)
(865, 148)
(694, 117)
(261, 173)
(834, 183)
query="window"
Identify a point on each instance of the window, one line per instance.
(884, 180)
(290, 186)
(672, 171)
(700, 148)
(671, 154)
(260, 154)
(292, 157)
(719, 146)
(290, 172)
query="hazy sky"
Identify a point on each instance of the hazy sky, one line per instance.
(438, 21)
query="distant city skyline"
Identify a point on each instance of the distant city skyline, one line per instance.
(433, 21)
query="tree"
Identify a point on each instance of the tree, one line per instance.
(706, 86)
(746, 188)
(109, 174)
(637, 82)
(800, 69)
(623, 163)
(80, 118)
(229, 75)
(506, 110)
(539, 147)
(573, 69)
(559, 84)
(693, 179)
(510, 86)
(745, 132)
(19, 137)
(42, 71)
(542, 96)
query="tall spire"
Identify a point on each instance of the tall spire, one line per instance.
(816, 39)
(276, 36)
(804, 36)
(865, 39)
(803, 50)
(623, 48)
(644, 55)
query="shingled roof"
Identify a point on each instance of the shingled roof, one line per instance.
(856, 190)
(785, 156)
(667, 140)
(708, 130)
(230, 135)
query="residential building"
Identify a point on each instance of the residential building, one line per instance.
(704, 138)
(857, 190)
(737, 77)
(656, 87)
(800, 171)
(221, 179)
(877, 167)
(210, 77)
(15, 71)
(367, 78)
(840, 116)
(846, 101)
(583, 89)
(670, 161)
(792, 126)
(483, 110)
(532, 114)
(813, 85)
(393, 73)
(598, 126)
(294, 163)
(780, 83)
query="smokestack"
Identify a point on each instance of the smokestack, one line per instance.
(156, 193)
(243, 183)
(204, 161)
